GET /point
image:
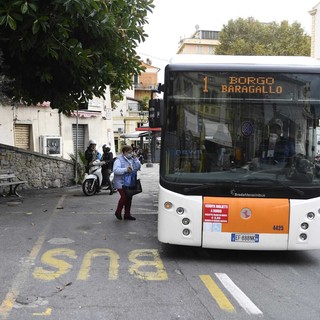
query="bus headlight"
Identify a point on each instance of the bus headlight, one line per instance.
(180, 211)
(186, 232)
(310, 215)
(185, 221)
(168, 205)
(304, 225)
(303, 236)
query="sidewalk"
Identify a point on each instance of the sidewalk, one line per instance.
(143, 203)
(56, 240)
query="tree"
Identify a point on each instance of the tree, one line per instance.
(4, 83)
(251, 37)
(144, 103)
(67, 51)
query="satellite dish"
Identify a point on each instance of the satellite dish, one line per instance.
(197, 27)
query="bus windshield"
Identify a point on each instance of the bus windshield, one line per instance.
(243, 133)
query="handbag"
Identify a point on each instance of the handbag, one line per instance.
(131, 191)
(130, 179)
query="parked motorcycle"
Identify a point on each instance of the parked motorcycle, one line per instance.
(92, 181)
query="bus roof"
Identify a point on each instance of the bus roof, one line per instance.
(244, 60)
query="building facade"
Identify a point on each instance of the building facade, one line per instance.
(132, 112)
(126, 119)
(146, 82)
(200, 42)
(43, 129)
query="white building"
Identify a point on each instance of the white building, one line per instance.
(127, 117)
(43, 129)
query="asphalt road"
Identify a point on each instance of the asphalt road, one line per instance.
(65, 256)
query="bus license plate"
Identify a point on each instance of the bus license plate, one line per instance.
(239, 237)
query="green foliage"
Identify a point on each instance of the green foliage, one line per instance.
(4, 83)
(251, 37)
(144, 104)
(67, 51)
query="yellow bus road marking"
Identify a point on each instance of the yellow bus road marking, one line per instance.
(49, 257)
(102, 252)
(145, 264)
(142, 258)
(9, 300)
(217, 294)
(239, 295)
(45, 313)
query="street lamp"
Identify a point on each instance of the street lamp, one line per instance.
(143, 120)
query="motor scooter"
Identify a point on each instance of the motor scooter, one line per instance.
(93, 180)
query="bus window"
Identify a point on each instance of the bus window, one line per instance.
(241, 123)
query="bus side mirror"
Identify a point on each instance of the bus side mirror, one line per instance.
(155, 112)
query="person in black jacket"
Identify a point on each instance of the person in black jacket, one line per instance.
(107, 156)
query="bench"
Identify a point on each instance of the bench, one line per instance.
(9, 179)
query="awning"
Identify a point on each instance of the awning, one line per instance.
(85, 114)
(134, 135)
(148, 129)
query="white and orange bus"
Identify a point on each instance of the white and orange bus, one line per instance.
(238, 150)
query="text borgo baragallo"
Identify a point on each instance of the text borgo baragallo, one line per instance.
(260, 85)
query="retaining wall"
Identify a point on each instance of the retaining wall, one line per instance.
(41, 171)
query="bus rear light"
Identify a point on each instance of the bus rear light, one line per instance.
(186, 232)
(310, 215)
(304, 225)
(303, 236)
(180, 211)
(168, 205)
(185, 221)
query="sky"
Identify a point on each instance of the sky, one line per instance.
(172, 20)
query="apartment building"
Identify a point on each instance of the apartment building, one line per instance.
(40, 128)
(200, 42)
(130, 118)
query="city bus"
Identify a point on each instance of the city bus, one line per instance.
(238, 149)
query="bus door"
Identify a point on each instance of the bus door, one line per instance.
(245, 223)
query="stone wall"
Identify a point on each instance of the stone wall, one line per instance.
(41, 171)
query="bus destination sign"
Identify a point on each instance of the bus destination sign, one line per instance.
(249, 84)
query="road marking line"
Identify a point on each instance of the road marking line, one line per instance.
(239, 295)
(142, 259)
(45, 313)
(217, 293)
(8, 302)
(84, 272)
